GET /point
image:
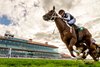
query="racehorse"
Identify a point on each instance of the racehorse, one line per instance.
(67, 37)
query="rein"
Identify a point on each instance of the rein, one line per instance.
(54, 19)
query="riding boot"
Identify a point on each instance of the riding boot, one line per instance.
(75, 27)
(76, 30)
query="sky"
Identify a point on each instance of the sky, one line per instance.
(23, 18)
(4, 20)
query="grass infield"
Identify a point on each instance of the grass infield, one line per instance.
(13, 62)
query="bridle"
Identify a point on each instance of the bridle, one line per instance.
(53, 15)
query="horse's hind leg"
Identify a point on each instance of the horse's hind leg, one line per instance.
(94, 58)
(83, 49)
(85, 54)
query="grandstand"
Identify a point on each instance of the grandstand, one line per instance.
(15, 47)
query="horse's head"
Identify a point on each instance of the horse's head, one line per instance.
(50, 15)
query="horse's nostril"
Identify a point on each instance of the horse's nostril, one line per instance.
(45, 17)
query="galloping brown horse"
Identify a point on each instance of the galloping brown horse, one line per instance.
(70, 39)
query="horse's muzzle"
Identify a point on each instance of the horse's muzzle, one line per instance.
(45, 18)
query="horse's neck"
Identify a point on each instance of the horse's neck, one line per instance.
(61, 25)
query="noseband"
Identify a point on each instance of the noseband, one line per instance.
(53, 16)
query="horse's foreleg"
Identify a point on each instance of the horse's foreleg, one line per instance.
(72, 42)
(70, 46)
(85, 54)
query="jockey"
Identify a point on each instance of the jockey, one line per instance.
(68, 18)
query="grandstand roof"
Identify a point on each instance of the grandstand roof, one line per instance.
(28, 41)
(42, 44)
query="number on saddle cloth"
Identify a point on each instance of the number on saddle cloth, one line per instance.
(80, 28)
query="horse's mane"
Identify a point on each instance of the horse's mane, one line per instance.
(61, 19)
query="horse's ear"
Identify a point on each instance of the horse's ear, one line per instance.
(54, 8)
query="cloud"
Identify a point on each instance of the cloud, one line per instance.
(66, 4)
(27, 19)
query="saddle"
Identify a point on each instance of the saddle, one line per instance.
(77, 30)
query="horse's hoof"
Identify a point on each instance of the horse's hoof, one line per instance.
(88, 62)
(79, 58)
(73, 55)
(96, 60)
